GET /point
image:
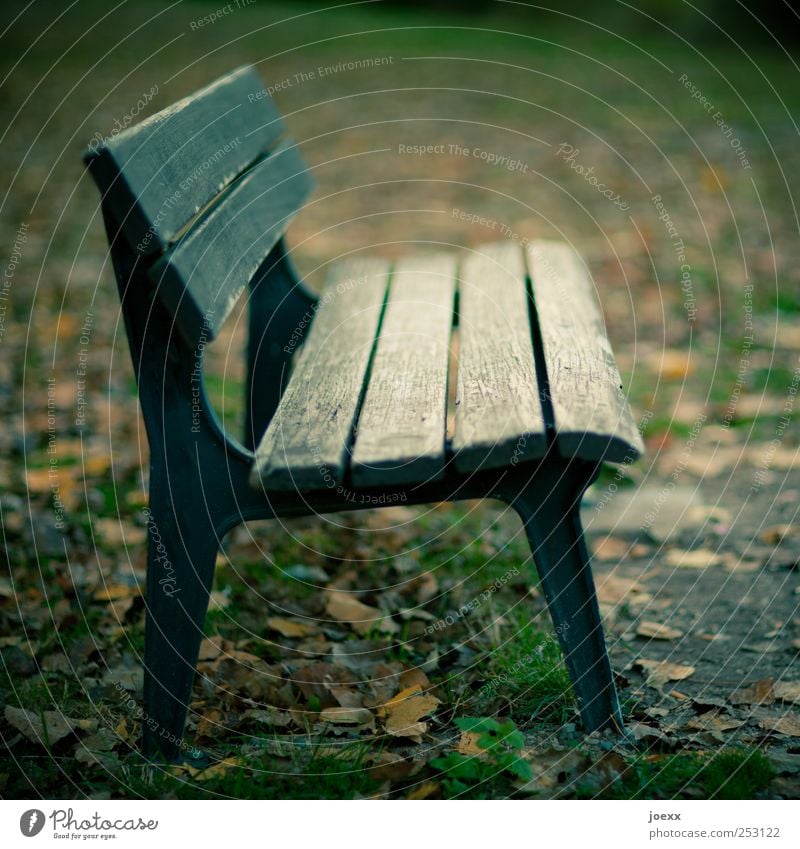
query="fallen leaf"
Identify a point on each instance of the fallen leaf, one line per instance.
(714, 722)
(116, 591)
(361, 617)
(468, 744)
(657, 631)
(614, 549)
(660, 671)
(788, 724)
(266, 716)
(218, 769)
(776, 534)
(700, 558)
(347, 716)
(756, 693)
(787, 691)
(410, 677)
(640, 732)
(48, 728)
(612, 589)
(291, 627)
(424, 790)
(403, 712)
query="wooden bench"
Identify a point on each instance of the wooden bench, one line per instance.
(346, 392)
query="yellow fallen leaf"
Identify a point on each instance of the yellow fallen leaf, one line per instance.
(674, 365)
(115, 592)
(424, 790)
(291, 627)
(219, 769)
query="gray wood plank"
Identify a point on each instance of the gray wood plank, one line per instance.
(156, 175)
(201, 277)
(592, 417)
(499, 418)
(400, 436)
(307, 442)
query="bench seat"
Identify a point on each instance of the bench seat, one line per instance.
(366, 404)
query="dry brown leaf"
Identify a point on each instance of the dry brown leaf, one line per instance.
(46, 729)
(714, 722)
(787, 691)
(347, 697)
(700, 558)
(756, 693)
(788, 724)
(640, 732)
(659, 672)
(361, 617)
(291, 627)
(657, 631)
(776, 534)
(410, 677)
(210, 648)
(403, 712)
(468, 744)
(614, 549)
(347, 716)
(612, 589)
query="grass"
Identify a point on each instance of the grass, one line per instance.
(731, 773)
(527, 672)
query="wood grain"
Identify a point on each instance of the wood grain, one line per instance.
(158, 174)
(400, 436)
(499, 418)
(201, 277)
(592, 417)
(307, 442)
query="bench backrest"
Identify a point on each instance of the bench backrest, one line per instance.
(202, 192)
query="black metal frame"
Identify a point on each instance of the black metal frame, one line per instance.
(200, 490)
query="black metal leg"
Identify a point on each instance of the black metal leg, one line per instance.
(182, 552)
(549, 506)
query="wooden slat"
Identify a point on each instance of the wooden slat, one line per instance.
(592, 417)
(499, 416)
(400, 436)
(203, 275)
(307, 442)
(157, 175)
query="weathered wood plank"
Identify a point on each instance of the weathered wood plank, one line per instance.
(307, 442)
(201, 277)
(400, 437)
(592, 417)
(156, 175)
(499, 419)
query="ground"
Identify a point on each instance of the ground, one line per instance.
(672, 168)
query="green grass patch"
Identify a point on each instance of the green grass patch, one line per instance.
(728, 774)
